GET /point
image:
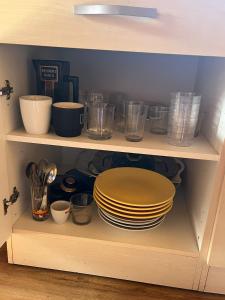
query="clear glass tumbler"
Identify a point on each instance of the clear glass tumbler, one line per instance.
(136, 114)
(96, 97)
(100, 119)
(119, 100)
(158, 115)
(40, 204)
(183, 118)
(81, 208)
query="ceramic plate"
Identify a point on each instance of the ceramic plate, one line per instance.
(135, 187)
(131, 216)
(128, 211)
(133, 228)
(123, 219)
(122, 207)
(128, 222)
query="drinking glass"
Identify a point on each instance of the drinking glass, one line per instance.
(81, 207)
(96, 97)
(136, 114)
(158, 115)
(183, 118)
(119, 100)
(40, 205)
(100, 120)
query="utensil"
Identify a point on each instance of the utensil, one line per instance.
(50, 174)
(177, 178)
(42, 166)
(34, 175)
(49, 177)
(29, 169)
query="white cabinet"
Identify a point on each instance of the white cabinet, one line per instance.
(182, 26)
(174, 254)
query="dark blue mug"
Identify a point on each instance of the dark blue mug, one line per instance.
(68, 118)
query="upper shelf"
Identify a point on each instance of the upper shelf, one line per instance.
(152, 144)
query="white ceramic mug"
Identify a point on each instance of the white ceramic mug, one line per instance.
(60, 211)
(36, 113)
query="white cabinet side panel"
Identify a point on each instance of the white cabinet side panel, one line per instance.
(15, 65)
(215, 282)
(210, 84)
(199, 192)
(5, 220)
(103, 259)
(217, 251)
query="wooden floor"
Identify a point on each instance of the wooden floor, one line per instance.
(26, 283)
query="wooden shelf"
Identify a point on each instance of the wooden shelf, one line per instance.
(151, 145)
(175, 235)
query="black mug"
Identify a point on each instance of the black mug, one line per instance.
(67, 118)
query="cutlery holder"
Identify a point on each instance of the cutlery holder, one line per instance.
(39, 200)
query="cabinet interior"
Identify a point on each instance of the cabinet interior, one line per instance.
(149, 77)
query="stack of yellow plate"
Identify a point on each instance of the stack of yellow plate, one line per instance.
(133, 198)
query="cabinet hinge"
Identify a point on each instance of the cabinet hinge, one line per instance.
(6, 90)
(12, 199)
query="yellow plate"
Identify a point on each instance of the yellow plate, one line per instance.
(133, 216)
(123, 206)
(134, 186)
(129, 212)
(132, 210)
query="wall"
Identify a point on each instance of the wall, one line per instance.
(151, 77)
(210, 83)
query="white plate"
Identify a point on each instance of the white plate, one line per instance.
(119, 218)
(127, 227)
(127, 222)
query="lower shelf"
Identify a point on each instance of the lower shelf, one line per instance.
(175, 235)
(166, 255)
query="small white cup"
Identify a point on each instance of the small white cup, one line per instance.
(60, 211)
(36, 113)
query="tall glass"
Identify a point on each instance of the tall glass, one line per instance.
(136, 114)
(119, 100)
(96, 97)
(100, 120)
(82, 207)
(158, 115)
(183, 118)
(40, 204)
